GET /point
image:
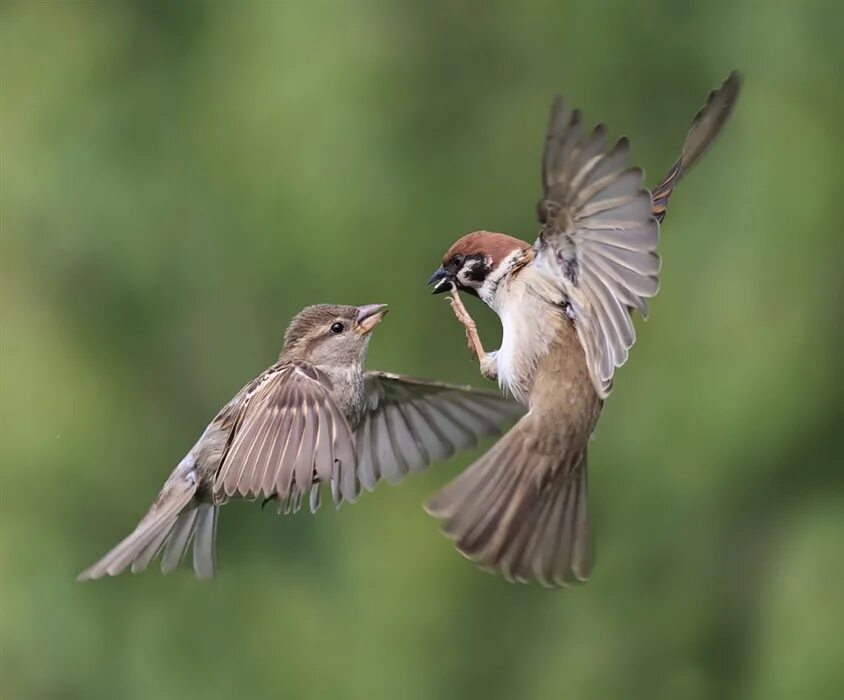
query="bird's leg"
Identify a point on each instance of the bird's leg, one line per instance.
(475, 345)
(487, 362)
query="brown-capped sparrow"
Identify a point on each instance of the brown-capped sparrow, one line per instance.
(313, 418)
(565, 306)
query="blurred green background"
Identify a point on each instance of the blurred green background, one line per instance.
(178, 181)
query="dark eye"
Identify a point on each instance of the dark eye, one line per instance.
(457, 260)
(337, 328)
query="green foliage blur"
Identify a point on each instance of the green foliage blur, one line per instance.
(178, 179)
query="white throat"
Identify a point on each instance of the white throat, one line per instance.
(489, 290)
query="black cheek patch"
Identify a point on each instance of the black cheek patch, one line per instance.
(478, 271)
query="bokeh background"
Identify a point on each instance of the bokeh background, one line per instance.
(179, 179)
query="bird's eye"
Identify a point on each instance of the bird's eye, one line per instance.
(458, 260)
(337, 328)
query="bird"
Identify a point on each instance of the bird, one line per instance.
(314, 418)
(565, 306)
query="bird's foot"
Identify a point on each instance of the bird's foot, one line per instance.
(489, 366)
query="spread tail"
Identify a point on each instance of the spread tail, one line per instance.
(168, 528)
(706, 126)
(524, 515)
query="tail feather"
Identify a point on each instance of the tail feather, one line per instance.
(198, 526)
(539, 552)
(470, 502)
(500, 515)
(204, 543)
(485, 518)
(706, 126)
(165, 519)
(178, 541)
(538, 556)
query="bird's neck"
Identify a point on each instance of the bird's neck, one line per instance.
(499, 278)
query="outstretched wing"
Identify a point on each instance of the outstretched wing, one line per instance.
(409, 423)
(707, 125)
(598, 238)
(289, 437)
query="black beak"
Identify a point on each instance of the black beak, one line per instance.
(441, 280)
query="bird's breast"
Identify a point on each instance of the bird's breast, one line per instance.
(529, 325)
(348, 392)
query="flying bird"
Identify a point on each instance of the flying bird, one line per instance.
(313, 419)
(565, 307)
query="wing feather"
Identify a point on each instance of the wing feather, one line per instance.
(303, 467)
(598, 239)
(593, 206)
(409, 423)
(288, 439)
(405, 442)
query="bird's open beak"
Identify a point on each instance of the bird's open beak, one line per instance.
(370, 316)
(441, 280)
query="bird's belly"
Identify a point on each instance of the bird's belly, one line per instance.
(563, 393)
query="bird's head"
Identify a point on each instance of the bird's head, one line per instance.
(332, 336)
(477, 262)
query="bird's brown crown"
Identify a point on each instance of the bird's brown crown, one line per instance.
(496, 246)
